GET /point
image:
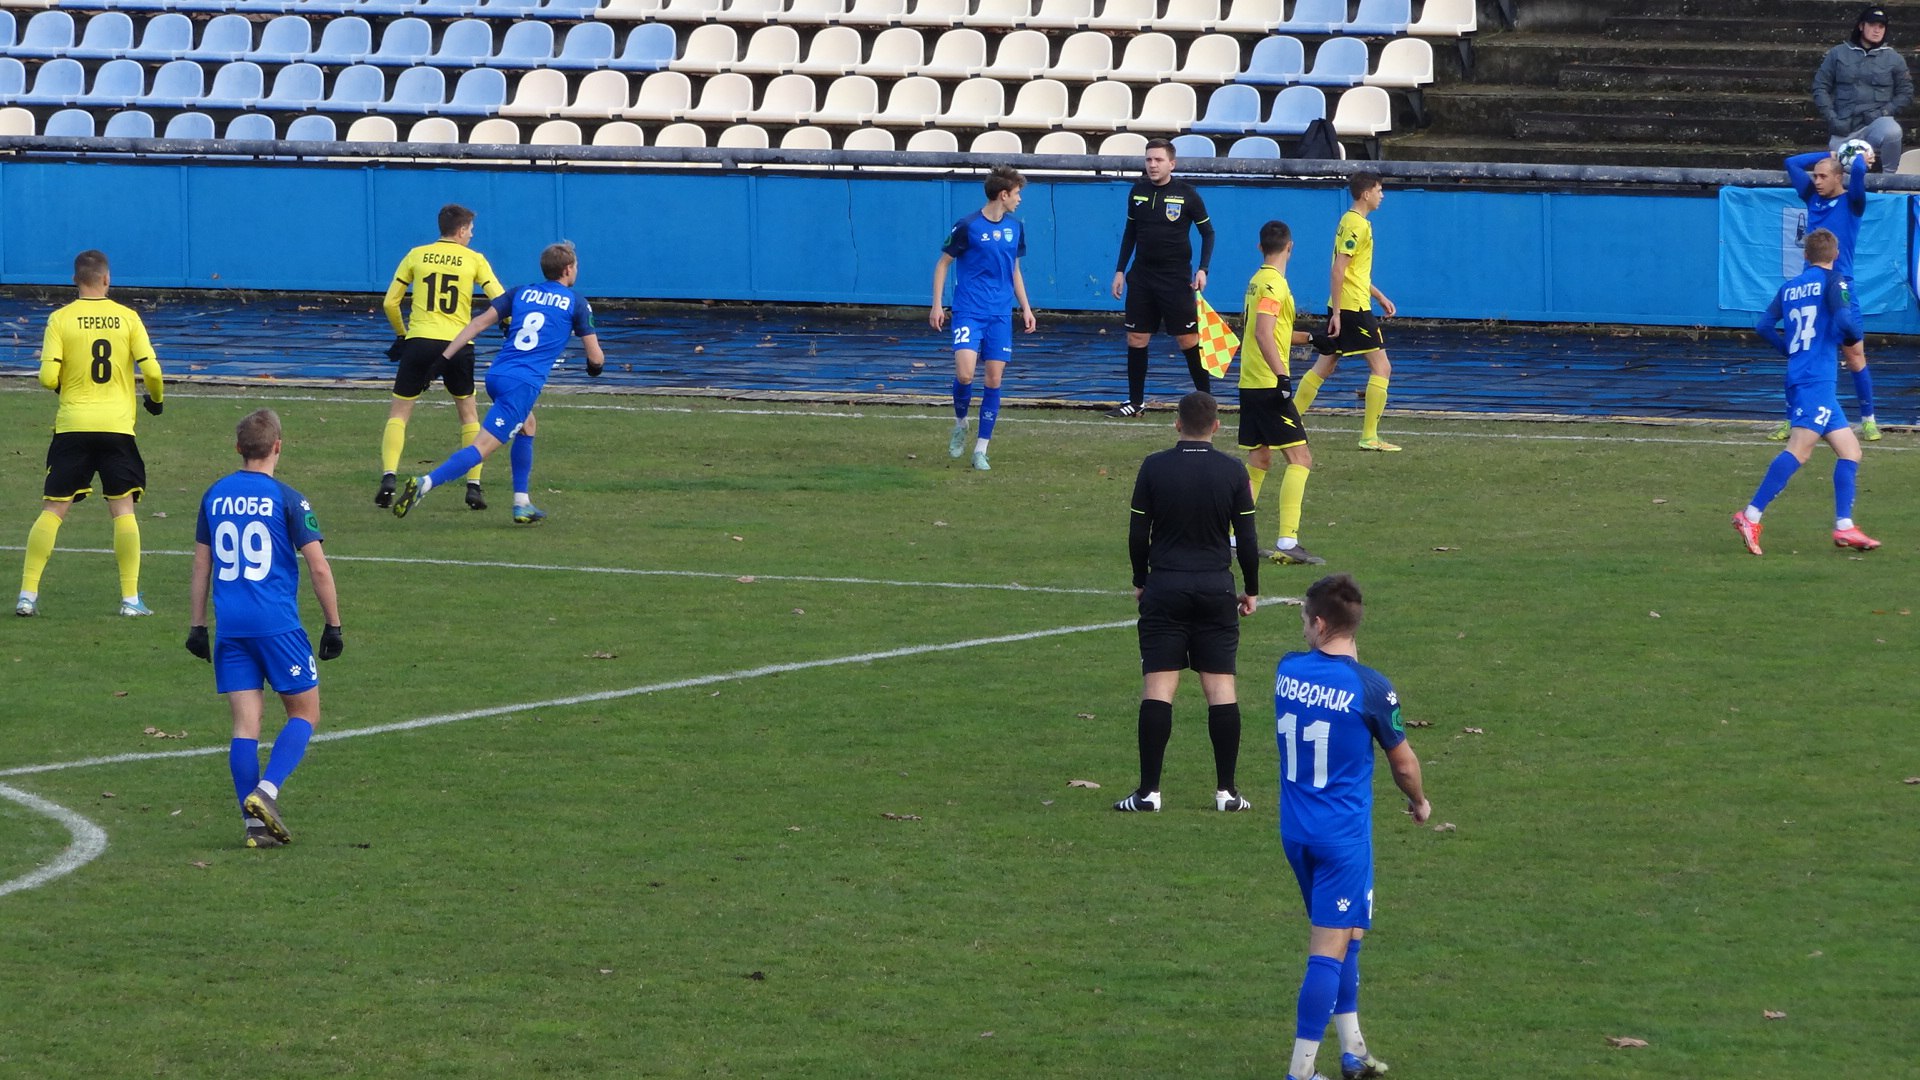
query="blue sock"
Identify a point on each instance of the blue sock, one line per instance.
(962, 398)
(243, 761)
(1317, 992)
(989, 411)
(1863, 389)
(455, 467)
(1349, 999)
(1845, 473)
(288, 748)
(520, 456)
(1778, 473)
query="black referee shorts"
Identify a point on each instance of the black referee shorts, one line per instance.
(1269, 418)
(421, 363)
(73, 457)
(1359, 334)
(1189, 624)
(1161, 300)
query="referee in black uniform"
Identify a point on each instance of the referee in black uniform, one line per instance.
(1185, 501)
(1160, 286)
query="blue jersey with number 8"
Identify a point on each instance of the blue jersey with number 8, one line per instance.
(1328, 712)
(255, 526)
(539, 320)
(1817, 309)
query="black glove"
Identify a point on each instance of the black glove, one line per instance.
(594, 369)
(197, 643)
(153, 406)
(1285, 387)
(1322, 344)
(331, 645)
(394, 350)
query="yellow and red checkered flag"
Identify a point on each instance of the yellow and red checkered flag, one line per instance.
(1218, 342)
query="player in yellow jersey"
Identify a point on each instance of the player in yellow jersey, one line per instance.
(1268, 420)
(91, 349)
(442, 276)
(1351, 328)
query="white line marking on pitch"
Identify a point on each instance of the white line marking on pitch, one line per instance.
(89, 840)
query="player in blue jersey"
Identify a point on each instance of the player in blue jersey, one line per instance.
(251, 526)
(986, 246)
(1330, 710)
(1836, 201)
(543, 317)
(1820, 317)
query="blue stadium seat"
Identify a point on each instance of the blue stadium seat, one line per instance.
(1231, 110)
(70, 124)
(388, 7)
(165, 37)
(418, 91)
(1316, 17)
(285, 40)
(1293, 109)
(405, 42)
(311, 8)
(441, 9)
(251, 126)
(464, 44)
(480, 92)
(567, 9)
(13, 78)
(1338, 62)
(1254, 146)
(359, 89)
(189, 125)
(108, 34)
(236, 86)
(8, 29)
(1276, 61)
(504, 9)
(129, 125)
(525, 45)
(346, 40)
(295, 87)
(226, 37)
(58, 82)
(588, 45)
(650, 47)
(118, 82)
(312, 128)
(1192, 146)
(1384, 17)
(178, 84)
(48, 34)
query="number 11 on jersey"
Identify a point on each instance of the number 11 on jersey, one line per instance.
(1314, 735)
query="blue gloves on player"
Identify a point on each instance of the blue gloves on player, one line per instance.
(153, 406)
(197, 642)
(331, 644)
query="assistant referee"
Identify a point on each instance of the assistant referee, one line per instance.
(1185, 502)
(1160, 284)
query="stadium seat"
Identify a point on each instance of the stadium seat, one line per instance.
(128, 125)
(1276, 61)
(434, 129)
(650, 47)
(1123, 144)
(525, 45)
(58, 82)
(1293, 109)
(911, 102)
(1211, 58)
(416, 91)
(189, 125)
(480, 92)
(225, 37)
(537, 93)
(1193, 146)
(1909, 161)
(849, 101)
(1106, 105)
(376, 129)
(15, 121)
(723, 99)
(404, 43)
(285, 40)
(1406, 63)
(494, 131)
(997, 142)
(1380, 17)
(48, 34)
(681, 135)
(343, 41)
(1252, 17)
(1188, 16)
(601, 95)
(1149, 58)
(1449, 18)
(833, 52)
(587, 46)
(165, 37)
(936, 14)
(116, 83)
(301, 86)
(959, 53)
(1316, 17)
(1364, 112)
(976, 103)
(9, 32)
(619, 133)
(1254, 146)
(709, 50)
(566, 9)
(1166, 108)
(1022, 54)
(440, 9)
(745, 137)
(501, 9)
(177, 85)
(69, 124)
(627, 10)
(1000, 14)
(770, 51)
(1084, 57)
(1061, 15)
(251, 127)
(812, 13)
(868, 139)
(1061, 142)
(555, 133)
(358, 89)
(312, 128)
(807, 138)
(933, 141)
(695, 11)
(663, 96)
(897, 52)
(13, 78)
(1231, 110)
(388, 7)
(1125, 15)
(873, 13)
(107, 35)
(465, 43)
(1039, 104)
(751, 12)
(1338, 62)
(788, 99)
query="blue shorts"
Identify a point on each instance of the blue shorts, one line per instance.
(1816, 408)
(246, 663)
(991, 336)
(1336, 881)
(512, 404)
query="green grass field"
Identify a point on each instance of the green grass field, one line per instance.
(1686, 807)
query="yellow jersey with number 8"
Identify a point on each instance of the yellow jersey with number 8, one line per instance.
(91, 351)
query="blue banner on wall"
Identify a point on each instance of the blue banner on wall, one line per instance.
(1760, 234)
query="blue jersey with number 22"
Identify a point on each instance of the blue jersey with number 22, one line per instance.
(256, 526)
(1329, 711)
(539, 319)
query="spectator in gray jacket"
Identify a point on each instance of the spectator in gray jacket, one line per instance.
(1861, 83)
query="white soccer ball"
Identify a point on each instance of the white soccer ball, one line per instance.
(1851, 149)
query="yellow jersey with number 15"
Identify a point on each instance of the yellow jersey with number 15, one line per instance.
(442, 275)
(91, 351)
(1354, 238)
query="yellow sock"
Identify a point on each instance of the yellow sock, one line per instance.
(1376, 404)
(126, 552)
(39, 549)
(1258, 476)
(467, 432)
(1306, 391)
(1293, 489)
(392, 442)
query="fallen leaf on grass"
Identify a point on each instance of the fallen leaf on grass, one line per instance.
(939, 524)
(175, 813)
(1624, 1041)
(744, 579)
(199, 864)
(757, 976)
(158, 514)
(986, 1034)
(1653, 614)
(108, 795)
(1446, 549)
(1911, 780)
(1083, 783)
(1083, 716)
(1770, 1014)
(1445, 826)
(599, 655)
(799, 611)
(913, 457)
(793, 828)
(606, 971)
(901, 817)
(158, 734)
(736, 539)
(1659, 502)
(1046, 802)
(1474, 730)
(1419, 723)
(119, 693)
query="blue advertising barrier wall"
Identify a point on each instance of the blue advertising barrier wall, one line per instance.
(1648, 258)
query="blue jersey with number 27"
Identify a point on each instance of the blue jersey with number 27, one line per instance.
(256, 526)
(1329, 712)
(1819, 319)
(539, 320)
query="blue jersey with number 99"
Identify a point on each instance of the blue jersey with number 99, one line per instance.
(539, 320)
(1818, 313)
(255, 526)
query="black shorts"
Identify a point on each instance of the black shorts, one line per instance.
(75, 456)
(1359, 333)
(421, 363)
(1269, 418)
(1189, 624)
(1157, 300)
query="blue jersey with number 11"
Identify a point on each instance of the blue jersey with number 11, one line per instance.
(1819, 319)
(256, 526)
(1329, 711)
(539, 319)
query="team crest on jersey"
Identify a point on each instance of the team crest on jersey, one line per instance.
(1174, 206)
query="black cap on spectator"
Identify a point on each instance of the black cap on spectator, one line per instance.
(1872, 15)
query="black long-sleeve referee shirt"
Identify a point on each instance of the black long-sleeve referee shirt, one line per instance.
(1184, 502)
(1158, 222)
